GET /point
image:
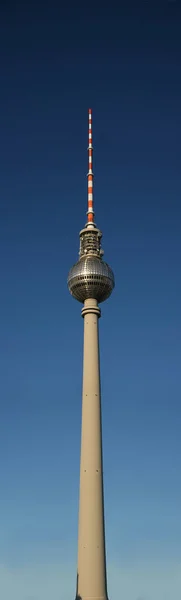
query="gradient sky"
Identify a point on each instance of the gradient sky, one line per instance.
(125, 63)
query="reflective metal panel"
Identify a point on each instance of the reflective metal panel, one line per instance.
(90, 277)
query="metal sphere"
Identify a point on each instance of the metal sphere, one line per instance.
(90, 277)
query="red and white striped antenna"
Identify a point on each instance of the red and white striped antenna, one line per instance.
(90, 176)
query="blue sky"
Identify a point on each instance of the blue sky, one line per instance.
(125, 64)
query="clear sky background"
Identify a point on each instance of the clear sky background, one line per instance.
(124, 61)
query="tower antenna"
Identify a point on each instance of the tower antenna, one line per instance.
(90, 176)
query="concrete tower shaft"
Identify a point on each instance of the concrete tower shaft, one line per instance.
(91, 281)
(91, 575)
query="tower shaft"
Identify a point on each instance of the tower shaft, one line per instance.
(91, 575)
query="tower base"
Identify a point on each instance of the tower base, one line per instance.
(94, 598)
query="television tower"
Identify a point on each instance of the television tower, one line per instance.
(91, 281)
